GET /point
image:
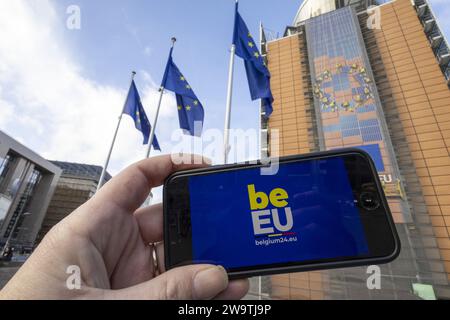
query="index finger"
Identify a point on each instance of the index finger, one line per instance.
(129, 189)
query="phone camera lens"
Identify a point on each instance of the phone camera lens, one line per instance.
(369, 201)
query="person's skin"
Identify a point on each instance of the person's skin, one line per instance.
(112, 240)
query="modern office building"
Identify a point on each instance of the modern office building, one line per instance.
(374, 76)
(77, 185)
(27, 183)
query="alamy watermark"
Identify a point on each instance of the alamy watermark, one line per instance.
(374, 19)
(244, 142)
(73, 281)
(374, 279)
(73, 21)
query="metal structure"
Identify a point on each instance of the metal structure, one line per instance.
(329, 52)
(438, 42)
(27, 183)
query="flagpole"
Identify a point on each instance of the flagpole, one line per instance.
(152, 132)
(105, 167)
(226, 132)
(261, 32)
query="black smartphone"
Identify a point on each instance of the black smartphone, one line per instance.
(319, 211)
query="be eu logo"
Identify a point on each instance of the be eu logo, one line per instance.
(266, 212)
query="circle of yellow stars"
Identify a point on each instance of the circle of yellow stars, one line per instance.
(330, 103)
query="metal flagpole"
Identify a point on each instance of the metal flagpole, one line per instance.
(261, 36)
(152, 132)
(261, 32)
(105, 167)
(226, 131)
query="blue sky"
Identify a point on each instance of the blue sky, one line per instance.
(61, 90)
(121, 36)
(115, 35)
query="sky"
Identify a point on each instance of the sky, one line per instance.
(61, 90)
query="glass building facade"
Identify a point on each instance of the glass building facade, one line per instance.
(313, 8)
(339, 81)
(348, 107)
(27, 182)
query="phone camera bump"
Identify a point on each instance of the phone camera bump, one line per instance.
(369, 201)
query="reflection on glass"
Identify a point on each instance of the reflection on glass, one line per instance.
(289, 217)
(5, 196)
(22, 209)
(313, 8)
(348, 110)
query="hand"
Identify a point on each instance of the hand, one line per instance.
(114, 242)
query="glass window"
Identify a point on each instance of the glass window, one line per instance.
(21, 211)
(341, 82)
(5, 165)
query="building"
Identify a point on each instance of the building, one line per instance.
(35, 194)
(27, 183)
(77, 185)
(346, 74)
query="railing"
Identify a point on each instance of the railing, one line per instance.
(435, 36)
(271, 35)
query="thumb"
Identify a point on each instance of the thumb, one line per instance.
(198, 282)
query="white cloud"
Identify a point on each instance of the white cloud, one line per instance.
(45, 98)
(48, 104)
(6, 112)
(148, 51)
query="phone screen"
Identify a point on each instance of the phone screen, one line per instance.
(315, 210)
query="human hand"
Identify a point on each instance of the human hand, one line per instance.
(118, 248)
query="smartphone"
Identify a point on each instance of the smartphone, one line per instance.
(319, 211)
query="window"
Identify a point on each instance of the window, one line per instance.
(5, 166)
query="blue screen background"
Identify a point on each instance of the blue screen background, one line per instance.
(326, 221)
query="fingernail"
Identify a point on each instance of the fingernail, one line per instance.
(210, 282)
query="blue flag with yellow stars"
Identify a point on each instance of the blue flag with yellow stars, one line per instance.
(134, 108)
(257, 73)
(190, 111)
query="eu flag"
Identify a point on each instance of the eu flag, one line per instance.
(257, 73)
(190, 111)
(134, 108)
